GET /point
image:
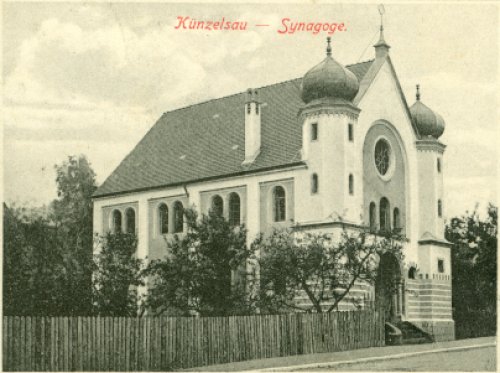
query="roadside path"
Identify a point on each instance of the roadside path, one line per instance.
(346, 357)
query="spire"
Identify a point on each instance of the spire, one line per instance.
(381, 48)
(418, 92)
(328, 47)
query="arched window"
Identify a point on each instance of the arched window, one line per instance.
(351, 184)
(234, 209)
(385, 215)
(439, 165)
(163, 218)
(279, 201)
(117, 221)
(396, 220)
(440, 208)
(130, 220)
(314, 184)
(217, 205)
(178, 217)
(412, 273)
(373, 217)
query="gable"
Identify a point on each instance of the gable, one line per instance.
(381, 97)
(207, 140)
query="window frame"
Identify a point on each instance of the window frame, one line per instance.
(314, 131)
(217, 207)
(372, 212)
(178, 217)
(385, 212)
(279, 204)
(314, 183)
(127, 220)
(116, 212)
(231, 211)
(440, 265)
(160, 219)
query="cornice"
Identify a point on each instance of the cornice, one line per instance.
(430, 145)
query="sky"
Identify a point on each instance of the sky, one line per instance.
(93, 78)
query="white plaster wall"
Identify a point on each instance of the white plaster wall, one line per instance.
(382, 100)
(251, 182)
(430, 192)
(333, 157)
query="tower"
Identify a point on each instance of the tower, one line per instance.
(434, 257)
(328, 121)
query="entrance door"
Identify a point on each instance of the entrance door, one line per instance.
(388, 287)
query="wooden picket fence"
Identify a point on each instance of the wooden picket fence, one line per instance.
(171, 343)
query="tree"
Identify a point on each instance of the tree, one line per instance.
(317, 265)
(31, 264)
(474, 265)
(48, 254)
(72, 213)
(197, 274)
(117, 275)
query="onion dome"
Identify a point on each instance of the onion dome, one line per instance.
(428, 122)
(329, 79)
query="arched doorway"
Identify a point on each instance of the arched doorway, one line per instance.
(389, 287)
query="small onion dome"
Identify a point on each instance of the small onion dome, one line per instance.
(329, 79)
(428, 122)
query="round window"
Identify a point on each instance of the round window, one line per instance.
(382, 156)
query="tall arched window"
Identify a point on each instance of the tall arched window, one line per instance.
(178, 217)
(385, 215)
(279, 202)
(130, 220)
(439, 165)
(217, 205)
(351, 184)
(163, 218)
(314, 184)
(396, 220)
(117, 221)
(234, 209)
(440, 208)
(373, 217)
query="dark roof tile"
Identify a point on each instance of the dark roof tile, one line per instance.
(206, 133)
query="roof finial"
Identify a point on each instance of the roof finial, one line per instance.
(381, 11)
(328, 47)
(381, 48)
(418, 92)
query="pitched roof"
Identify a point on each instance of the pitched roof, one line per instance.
(207, 140)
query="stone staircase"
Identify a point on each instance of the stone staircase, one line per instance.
(406, 333)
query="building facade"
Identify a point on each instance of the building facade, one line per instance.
(338, 146)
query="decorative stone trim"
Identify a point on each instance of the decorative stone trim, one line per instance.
(330, 108)
(430, 145)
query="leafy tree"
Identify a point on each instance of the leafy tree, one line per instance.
(48, 253)
(72, 213)
(31, 263)
(474, 265)
(117, 275)
(196, 276)
(317, 265)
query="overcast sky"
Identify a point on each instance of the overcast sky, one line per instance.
(93, 78)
